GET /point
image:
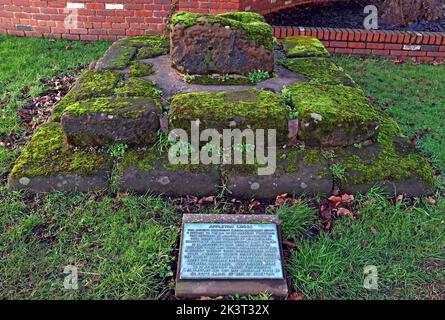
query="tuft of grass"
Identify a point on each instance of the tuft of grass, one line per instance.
(297, 221)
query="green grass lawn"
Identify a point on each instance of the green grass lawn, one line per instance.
(125, 246)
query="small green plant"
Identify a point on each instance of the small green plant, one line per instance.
(292, 114)
(258, 76)
(287, 95)
(329, 155)
(158, 92)
(358, 145)
(338, 171)
(188, 78)
(163, 143)
(117, 150)
(244, 147)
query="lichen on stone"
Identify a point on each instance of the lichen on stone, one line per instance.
(256, 29)
(319, 71)
(47, 154)
(255, 109)
(304, 46)
(140, 69)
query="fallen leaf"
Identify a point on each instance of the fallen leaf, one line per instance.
(432, 201)
(342, 212)
(290, 244)
(374, 230)
(347, 198)
(296, 296)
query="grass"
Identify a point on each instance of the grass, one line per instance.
(125, 246)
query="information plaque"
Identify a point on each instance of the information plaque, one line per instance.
(230, 251)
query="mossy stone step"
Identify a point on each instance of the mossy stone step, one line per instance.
(333, 116)
(298, 172)
(91, 83)
(304, 46)
(392, 164)
(117, 57)
(319, 71)
(48, 164)
(148, 170)
(102, 121)
(254, 109)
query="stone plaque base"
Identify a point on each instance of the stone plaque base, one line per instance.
(195, 288)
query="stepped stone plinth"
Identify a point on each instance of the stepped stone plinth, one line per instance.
(329, 135)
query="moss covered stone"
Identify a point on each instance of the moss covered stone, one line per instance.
(153, 41)
(137, 87)
(140, 69)
(255, 109)
(117, 57)
(333, 116)
(253, 24)
(319, 71)
(298, 172)
(101, 121)
(91, 83)
(227, 80)
(391, 163)
(304, 46)
(47, 154)
(148, 170)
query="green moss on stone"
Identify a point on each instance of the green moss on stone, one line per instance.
(91, 83)
(137, 87)
(244, 17)
(139, 69)
(123, 107)
(123, 57)
(149, 46)
(319, 71)
(366, 167)
(218, 80)
(304, 46)
(254, 108)
(47, 154)
(258, 31)
(331, 106)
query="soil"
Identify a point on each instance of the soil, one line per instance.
(341, 15)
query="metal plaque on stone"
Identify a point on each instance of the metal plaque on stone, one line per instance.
(230, 254)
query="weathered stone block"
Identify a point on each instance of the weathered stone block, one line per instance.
(392, 164)
(148, 170)
(254, 109)
(304, 46)
(48, 164)
(297, 173)
(104, 121)
(236, 43)
(333, 116)
(117, 57)
(319, 71)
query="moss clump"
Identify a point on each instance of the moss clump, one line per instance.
(255, 109)
(304, 46)
(258, 31)
(148, 46)
(124, 107)
(319, 71)
(47, 155)
(137, 87)
(91, 83)
(149, 159)
(121, 57)
(244, 17)
(139, 69)
(324, 108)
(225, 80)
(371, 167)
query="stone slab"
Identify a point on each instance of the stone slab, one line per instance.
(171, 82)
(127, 120)
(224, 287)
(117, 57)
